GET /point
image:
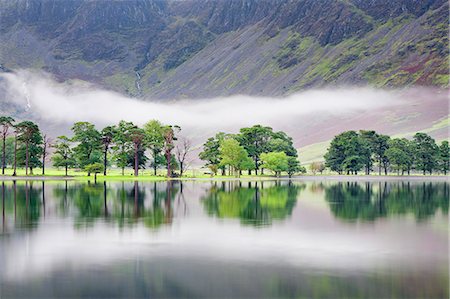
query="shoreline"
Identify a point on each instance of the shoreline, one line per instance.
(359, 178)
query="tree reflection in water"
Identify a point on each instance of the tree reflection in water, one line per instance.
(255, 203)
(369, 201)
(24, 203)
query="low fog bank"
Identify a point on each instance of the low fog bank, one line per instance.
(61, 104)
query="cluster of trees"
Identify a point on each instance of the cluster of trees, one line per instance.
(254, 149)
(28, 148)
(124, 144)
(351, 152)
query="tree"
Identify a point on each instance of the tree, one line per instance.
(281, 142)
(94, 168)
(169, 137)
(31, 139)
(89, 144)
(46, 145)
(317, 167)
(154, 132)
(275, 161)
(426, 152)
(400, 155)
(9, 159)
(107, 135)
(138, 138)
(5, 122)
(444, 157)
(234, 155)
(345, 153)
(181, 151)
(63, 156)
(380, 147)
(122, 143)
(293, 166)
(255, 140)
(368, 142)
(211, 152)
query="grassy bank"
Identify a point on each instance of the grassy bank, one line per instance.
(198, 174)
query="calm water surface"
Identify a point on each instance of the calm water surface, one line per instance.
(225, 239)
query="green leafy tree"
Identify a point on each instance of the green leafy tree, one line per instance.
(293, 166)
(368, 143)
(63, 155)
(281, 142)
(137, 136)
(444, 157)
(30, 150)
(6, 122)
(9, 159)
(235, 156)
(123, 145)
(94, 168)
(380, 147)
(345, 153)
(275, 161)
(426, 152)
(211, 152)
(256, 140)
(107, 135)
(154, 132)
(400, 155)
(88, 150)
(169, 138)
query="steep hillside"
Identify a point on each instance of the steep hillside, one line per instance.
(205, 48)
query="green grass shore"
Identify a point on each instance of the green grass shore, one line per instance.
(196, 174)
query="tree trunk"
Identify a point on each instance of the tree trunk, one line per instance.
(95, 178)
(26, 159)
(43, 158)
(66, 168)
(154, 167)
(168, 158)
(4, 154)
(249, 172)
(123, 170)
(181, 168)
(136, 160)
(15, 156)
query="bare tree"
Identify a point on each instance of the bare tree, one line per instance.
(182, 150)
(47, 142)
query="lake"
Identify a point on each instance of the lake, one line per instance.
(222, 239)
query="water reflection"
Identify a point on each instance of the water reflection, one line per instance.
(140, 240)
(24, 203)
(369, 201)
(256, 203)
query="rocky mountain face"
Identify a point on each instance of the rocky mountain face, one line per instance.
(204, 48)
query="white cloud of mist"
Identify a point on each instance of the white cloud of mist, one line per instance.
(70, 102)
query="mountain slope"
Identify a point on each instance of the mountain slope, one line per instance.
(205, 48)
